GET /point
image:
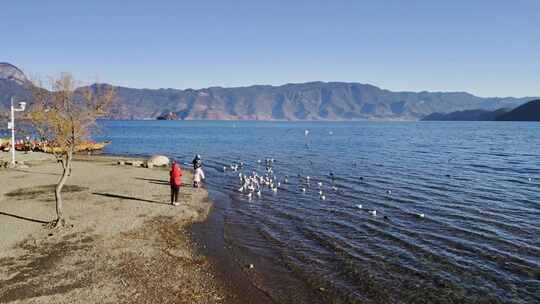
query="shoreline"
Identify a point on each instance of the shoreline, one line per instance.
(210, 239)
(123, 243)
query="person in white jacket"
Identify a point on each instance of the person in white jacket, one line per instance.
(198, 177)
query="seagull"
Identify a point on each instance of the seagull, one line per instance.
(359, 206)
(323, 197)
(274, 189)
(304, 190)
(420, 215)
(224, 168)
(373, 212)
(389, 191)
(319, 184)
(249, 195)
(306, 132)
(320, 192)
(334, 188)
(259, 193)
(530, 179)
(286, 181)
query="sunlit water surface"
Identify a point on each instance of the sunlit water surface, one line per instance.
(477, 184)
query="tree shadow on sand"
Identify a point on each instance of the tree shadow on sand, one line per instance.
(24, 218)
(119, 196)
(159, 181)
(154, 181)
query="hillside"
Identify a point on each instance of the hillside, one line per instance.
(527, 112)
(469, 115)
(303, 101)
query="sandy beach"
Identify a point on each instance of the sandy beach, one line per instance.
(123, 244)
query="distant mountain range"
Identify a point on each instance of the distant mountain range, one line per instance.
(467, 115)
(304, 101)
(529, 111)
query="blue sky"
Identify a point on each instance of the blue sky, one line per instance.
(488, 48)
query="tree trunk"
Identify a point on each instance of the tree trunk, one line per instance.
(66, 166)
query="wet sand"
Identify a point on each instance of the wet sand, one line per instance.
(123, 244)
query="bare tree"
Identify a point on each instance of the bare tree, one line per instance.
(63, 114)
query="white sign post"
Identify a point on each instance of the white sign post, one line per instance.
(11, 125)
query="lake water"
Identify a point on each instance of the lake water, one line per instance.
(477, 184)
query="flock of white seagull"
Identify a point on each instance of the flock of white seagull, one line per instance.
(253, 184)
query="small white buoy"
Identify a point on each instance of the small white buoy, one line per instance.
(373, 212)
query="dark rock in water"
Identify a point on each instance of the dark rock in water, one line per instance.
(527, 112)
(168, 116)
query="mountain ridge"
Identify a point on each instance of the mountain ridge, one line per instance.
(529, 111)
(312, 101)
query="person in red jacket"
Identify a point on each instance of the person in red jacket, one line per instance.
(176, 181)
